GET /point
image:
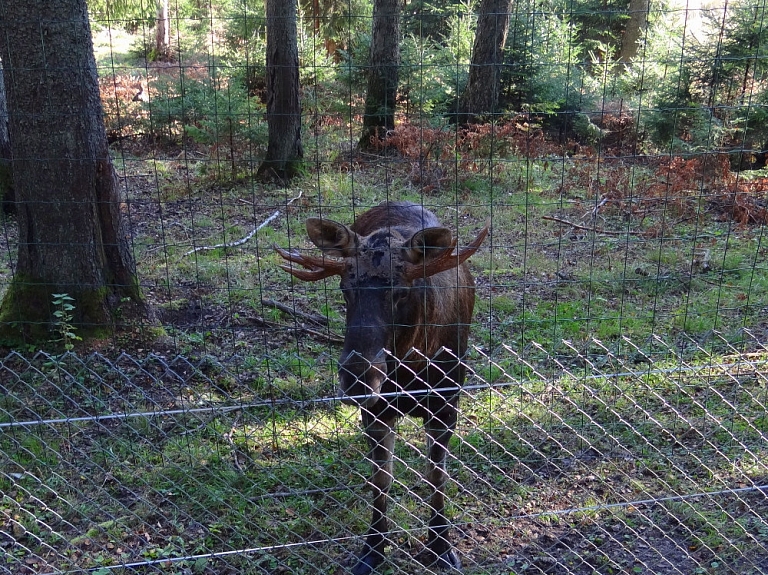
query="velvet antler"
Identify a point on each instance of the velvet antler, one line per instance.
(316, 268)
(446, 260)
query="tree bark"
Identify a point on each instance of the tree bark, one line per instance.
(638, 21)
(7, 196)
(481, 95)
(285, 154)
(383, 74)
(73, 237)
(162, 32)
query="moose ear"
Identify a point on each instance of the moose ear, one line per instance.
(428, 244)
(333, 238)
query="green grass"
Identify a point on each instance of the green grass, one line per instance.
(281, 474)
(548, 282)
(113, 48)
(574, 305)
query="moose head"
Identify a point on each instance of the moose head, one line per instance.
(385, 277)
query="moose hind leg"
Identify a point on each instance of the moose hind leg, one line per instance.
(439, 549)
(381, 439)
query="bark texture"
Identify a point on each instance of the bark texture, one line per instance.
(162, 32)
(72, 236)
(285, 154)
(7, 196)
(635, 30)
(481, 95)
(383, 75)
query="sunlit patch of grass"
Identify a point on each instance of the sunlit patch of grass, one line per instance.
(271, 474)
(112, 47)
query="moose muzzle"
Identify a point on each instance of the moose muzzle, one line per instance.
(361, 379)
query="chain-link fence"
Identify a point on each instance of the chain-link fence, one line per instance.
(606, 462)
(614, 419)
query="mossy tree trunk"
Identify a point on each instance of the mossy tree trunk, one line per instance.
(383, 73)
(481, 95)
(72, 234)
(285, 154)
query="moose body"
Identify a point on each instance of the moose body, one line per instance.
(409, 299)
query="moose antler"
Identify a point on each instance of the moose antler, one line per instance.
(448, 259)
(316, 268)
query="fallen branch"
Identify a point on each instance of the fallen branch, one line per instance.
(228, 436)
(313, 317)
(328, 336)
(587, 229)
(594, 211)
(241, 241)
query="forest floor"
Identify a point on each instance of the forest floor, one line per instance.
(603, 266)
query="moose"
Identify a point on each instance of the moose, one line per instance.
(409, 298)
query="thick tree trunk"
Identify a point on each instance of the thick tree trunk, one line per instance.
(481, 95)
(633, 34)
(162, 32)
(7, 196)
(383, 75)
(5, 142)
(72, 235)
(285, 153)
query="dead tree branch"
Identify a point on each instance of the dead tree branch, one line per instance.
(588, 229)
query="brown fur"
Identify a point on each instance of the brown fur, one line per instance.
(407, 292)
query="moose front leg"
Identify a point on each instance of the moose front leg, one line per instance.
(439, 550)
(381, 439)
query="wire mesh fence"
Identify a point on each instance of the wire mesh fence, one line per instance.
(614, 419)
(583, 464)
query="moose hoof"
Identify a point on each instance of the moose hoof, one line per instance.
(367, 562)
(446, 561)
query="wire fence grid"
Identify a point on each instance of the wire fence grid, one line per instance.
(147, 464)
(614, 419)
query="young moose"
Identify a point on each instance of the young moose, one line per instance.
(408, 292)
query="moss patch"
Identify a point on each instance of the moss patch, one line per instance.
(27, 313)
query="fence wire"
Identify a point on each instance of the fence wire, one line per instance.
(617, 465)
(614, 419)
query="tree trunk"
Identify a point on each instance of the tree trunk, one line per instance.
(481, 95)
(285, 153)
(7, 197)
(633, 34)
(162, 32)
(383, 74)
(316, 16)
(72, 236)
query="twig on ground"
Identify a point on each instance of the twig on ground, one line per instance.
(588, 229)
(241, 241)
(238, 242)
(328, 336)
(235, 450)
(313, 317)
(594, 211)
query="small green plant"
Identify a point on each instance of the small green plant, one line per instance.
(62, 325)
